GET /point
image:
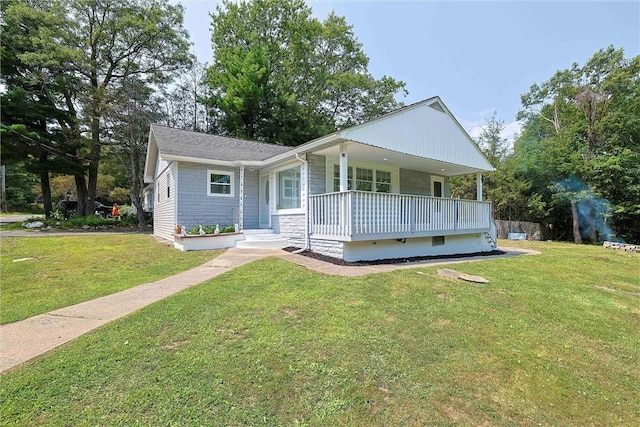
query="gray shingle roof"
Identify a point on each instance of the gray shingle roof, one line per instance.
(180, 142)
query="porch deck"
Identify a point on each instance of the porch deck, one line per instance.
(362, 215)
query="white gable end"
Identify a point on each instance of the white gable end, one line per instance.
(424, 130)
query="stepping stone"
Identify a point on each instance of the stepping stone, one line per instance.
(458, 275)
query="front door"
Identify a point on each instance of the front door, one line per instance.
(438, 218)
(265, 216)
(437, 186)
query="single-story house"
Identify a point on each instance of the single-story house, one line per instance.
(373, 191)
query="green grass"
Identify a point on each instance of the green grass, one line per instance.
(13, 226)
(552, 340)
(69, 270)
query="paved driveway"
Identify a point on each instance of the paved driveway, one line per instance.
(7, 219)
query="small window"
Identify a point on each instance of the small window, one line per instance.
(437, 241)
(168, 185)
(158, 191)
(289, 189)
(220, 184)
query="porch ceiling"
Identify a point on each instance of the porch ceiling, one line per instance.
(359, 152)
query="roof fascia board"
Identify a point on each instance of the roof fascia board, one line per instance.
(233, 163)
(149, 168)
(304, 148)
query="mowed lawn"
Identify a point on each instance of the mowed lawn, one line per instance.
(40, 274)
(554, 339)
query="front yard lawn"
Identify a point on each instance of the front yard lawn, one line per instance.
(552, 340)
(67, 270)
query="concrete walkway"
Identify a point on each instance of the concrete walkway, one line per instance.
(24, 340)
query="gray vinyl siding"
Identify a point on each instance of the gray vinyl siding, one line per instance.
(415, 182)
(419, 183)
(195, 207)
(317, 174)
(164, 207)
(251, 199)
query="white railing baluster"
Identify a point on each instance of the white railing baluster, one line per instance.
(360, 213)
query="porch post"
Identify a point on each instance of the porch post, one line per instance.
(344, 174)
(479, 186)
(241, 195)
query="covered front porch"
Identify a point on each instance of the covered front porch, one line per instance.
(360, 215)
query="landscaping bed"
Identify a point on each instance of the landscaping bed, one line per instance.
(338, 261)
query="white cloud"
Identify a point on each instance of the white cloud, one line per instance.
(511, 131)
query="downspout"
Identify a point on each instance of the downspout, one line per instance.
(307, 242)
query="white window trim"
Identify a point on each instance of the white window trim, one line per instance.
(276, 189)
(394, 171)
(440, 179)
(220, 172)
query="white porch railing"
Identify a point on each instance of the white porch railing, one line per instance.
(362, 215)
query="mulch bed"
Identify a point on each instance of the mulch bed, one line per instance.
(338, 261)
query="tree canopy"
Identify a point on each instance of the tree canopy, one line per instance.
(580, 146)
(79, 54)
(280, 75)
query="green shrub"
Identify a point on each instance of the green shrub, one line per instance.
(91, 221)
(210, 229)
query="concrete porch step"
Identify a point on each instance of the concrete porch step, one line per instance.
(262, 238)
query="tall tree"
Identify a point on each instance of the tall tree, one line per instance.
(503, 187)
(184, 101)
(581, 145)
(36, 123)
(280, 75)
(129, 119)
(101, 43)
(491, 142)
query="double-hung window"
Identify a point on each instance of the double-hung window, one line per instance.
(383, 181)
(336, 178)
(220, 183)
(366, 179)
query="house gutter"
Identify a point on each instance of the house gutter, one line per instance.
(307, 243)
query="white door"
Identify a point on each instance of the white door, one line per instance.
(265, 217)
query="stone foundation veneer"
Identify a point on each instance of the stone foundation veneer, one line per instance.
(291, 227)
(330, 248)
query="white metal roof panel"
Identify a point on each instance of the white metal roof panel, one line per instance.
(426, 129)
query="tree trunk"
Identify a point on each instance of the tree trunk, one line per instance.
(94, 161)
(137, 184)
(45, 186)
(593, 226)
(576, 223)
(81, 191)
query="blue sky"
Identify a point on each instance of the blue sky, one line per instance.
(478, 56)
